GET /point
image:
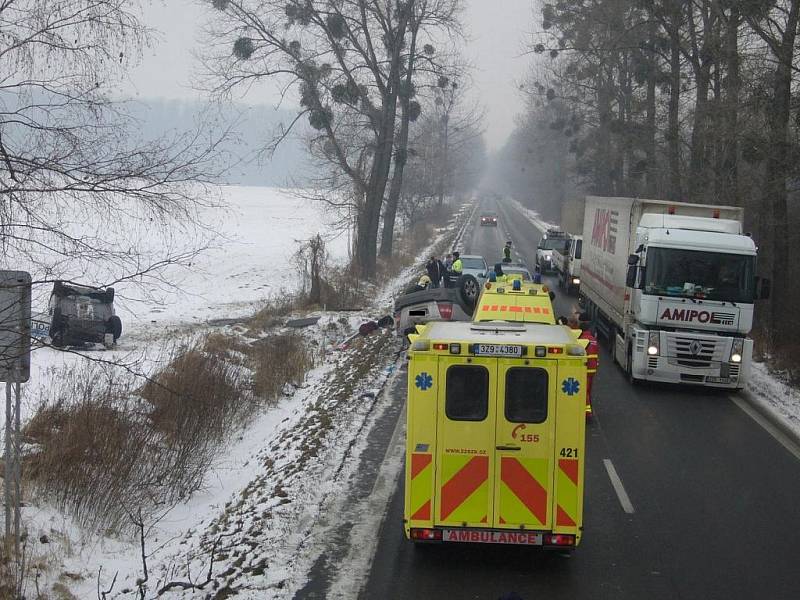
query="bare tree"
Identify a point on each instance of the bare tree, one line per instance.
(421, 61)
(71, 174)
(344, 61)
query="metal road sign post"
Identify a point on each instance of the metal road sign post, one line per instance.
(15, 363)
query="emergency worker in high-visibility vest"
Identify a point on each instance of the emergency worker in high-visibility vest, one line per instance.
(592, 354)
(507, 252)
(458, 266)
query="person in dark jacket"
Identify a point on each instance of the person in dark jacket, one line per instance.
(436, 271)
(507, 252)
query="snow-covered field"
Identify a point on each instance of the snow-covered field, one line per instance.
(256, 233)
(259, 232)
(261, 228)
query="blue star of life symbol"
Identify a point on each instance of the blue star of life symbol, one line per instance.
(423, 381)
(570, 386)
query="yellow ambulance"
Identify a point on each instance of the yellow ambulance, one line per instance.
(495, 434)
(516, 301)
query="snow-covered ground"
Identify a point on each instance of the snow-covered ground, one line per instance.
(261, 227)
(776, 397)
(256, 233)
(532, 216)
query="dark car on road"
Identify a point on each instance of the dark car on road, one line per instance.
(489, 219)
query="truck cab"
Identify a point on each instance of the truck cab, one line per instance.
(691, 277)
(567, 262)
(495, 442)
(552, 240)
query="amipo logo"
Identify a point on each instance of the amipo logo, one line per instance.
(604, 231)
(688, 315)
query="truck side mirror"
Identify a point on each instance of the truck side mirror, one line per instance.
(763, 288)
(633, 260)
(630, 277)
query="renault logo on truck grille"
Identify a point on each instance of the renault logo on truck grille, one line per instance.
(695, 347)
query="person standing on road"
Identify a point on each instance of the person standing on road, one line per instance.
(507, 252)
(435, 270)
(458, 266)
(448, 262)
(454, 272)
(581, 322)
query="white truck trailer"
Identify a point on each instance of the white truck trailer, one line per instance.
(672, 287)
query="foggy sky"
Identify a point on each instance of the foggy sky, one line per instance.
(496, 30)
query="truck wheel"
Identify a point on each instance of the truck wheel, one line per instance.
(629, 368)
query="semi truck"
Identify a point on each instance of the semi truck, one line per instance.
(567, 262)
(672, 287)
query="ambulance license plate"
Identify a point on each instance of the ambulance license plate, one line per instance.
(718, 379)
(477, 536)
(498, 350)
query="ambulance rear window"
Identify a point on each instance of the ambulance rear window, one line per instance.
(467, 393)
(526, 395)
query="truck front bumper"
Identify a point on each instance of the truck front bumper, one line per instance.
(665, 369)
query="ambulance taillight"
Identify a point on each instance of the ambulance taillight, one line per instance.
(433, 535)
(558, 539)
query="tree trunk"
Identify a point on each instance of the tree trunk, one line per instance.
(730, 134)
(777, 170)
(604, 156)
(370, 216)
(699, 150)
(673, 118)
(401, 155)
(650, 102)
(445, 157)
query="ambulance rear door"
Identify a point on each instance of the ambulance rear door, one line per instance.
(465, 441)
(525, 441)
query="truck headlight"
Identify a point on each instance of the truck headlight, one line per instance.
(576, 281)
(737, 349)
(653, 343)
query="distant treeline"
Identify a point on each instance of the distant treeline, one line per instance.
(251, 129)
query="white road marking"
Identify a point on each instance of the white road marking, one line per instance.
(616, 482)
(783, 439)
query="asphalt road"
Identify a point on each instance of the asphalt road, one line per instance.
(716, 501)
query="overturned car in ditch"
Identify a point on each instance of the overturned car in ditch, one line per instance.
(455, 302)
(82, 314)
